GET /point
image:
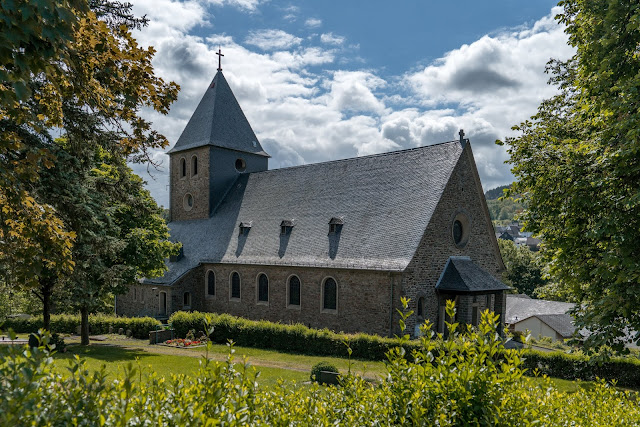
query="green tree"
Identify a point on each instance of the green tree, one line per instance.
(121, 235)
(55, 56)
(577, 169)
(62, 61)
(524, 269)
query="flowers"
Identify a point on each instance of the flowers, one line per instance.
(184, 342)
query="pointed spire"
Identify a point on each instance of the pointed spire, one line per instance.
(219, 121)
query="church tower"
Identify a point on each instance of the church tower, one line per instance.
(215, 148)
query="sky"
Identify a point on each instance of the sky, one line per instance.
(327, 80)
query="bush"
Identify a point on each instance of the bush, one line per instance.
(454, 382)
(98, 324)
(321, 366)
(286, 338)
(625, 371)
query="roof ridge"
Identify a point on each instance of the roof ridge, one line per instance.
(368, 156)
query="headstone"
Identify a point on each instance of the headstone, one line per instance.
(129, 333)
(110, 329)
(121, 331)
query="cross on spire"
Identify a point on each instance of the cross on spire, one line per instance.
(220, 55)
(461, 133)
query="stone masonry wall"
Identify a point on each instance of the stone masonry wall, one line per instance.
(142, 300)
(463, 194)
(197, 185)
(363, 303)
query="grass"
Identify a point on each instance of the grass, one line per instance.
(117, 352)
(115, 360)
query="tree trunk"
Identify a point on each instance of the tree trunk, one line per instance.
(46, 308)
(47, 283)
(84, 325)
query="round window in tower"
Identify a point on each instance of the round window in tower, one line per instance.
(187, 202)
(241, 165)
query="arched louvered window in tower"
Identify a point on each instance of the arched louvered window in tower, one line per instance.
(194, 165)
(263, 288)
(235, 285)
(211, 283)
(330, 295)
(183, 167)
(294, 290)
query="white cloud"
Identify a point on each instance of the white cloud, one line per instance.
(313, 22)
(302, 114)
(330, 38)
(353, 91)
(495, 82)
(181, 16)
(247, 5)
(272, 39)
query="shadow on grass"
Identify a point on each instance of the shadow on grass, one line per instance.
(105, 353)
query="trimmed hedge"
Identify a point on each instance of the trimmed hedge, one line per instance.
(625, 371)
(323, 342)
(287, 338)
(98, 324)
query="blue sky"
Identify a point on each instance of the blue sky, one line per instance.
(323, 80)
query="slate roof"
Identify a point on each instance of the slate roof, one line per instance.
(219, 121)
(461, 274)
(521, 308)
(561, 323)
(386, 202)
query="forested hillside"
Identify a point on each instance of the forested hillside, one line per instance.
(502, 212)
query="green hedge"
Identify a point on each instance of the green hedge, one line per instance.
(625, 371)
(287, 338)
(322, 342)
(98, 324)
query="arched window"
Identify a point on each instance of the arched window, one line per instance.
(186, 300)
(211, 283)
(235, 285)
(194, 165)
(420, 310)
(183, 167)
(294, 290)
(330, 295)
(263, 288)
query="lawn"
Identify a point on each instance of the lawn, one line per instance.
(117, 352)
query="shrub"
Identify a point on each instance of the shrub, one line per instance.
(625, 371)
(287, 338)
(321, 366)
(468, 379)
(98, 324)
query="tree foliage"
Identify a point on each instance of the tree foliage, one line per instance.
(524, 269)
(577, 169)
(57, 57)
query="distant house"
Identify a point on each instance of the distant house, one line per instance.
(504, 236)
(533, 244)
(541, 318)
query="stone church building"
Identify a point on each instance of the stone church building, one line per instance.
(334, 244)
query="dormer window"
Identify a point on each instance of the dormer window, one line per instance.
(286, 226)
(245, 227)
(335, 224)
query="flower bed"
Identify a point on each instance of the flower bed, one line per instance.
(184, 342)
